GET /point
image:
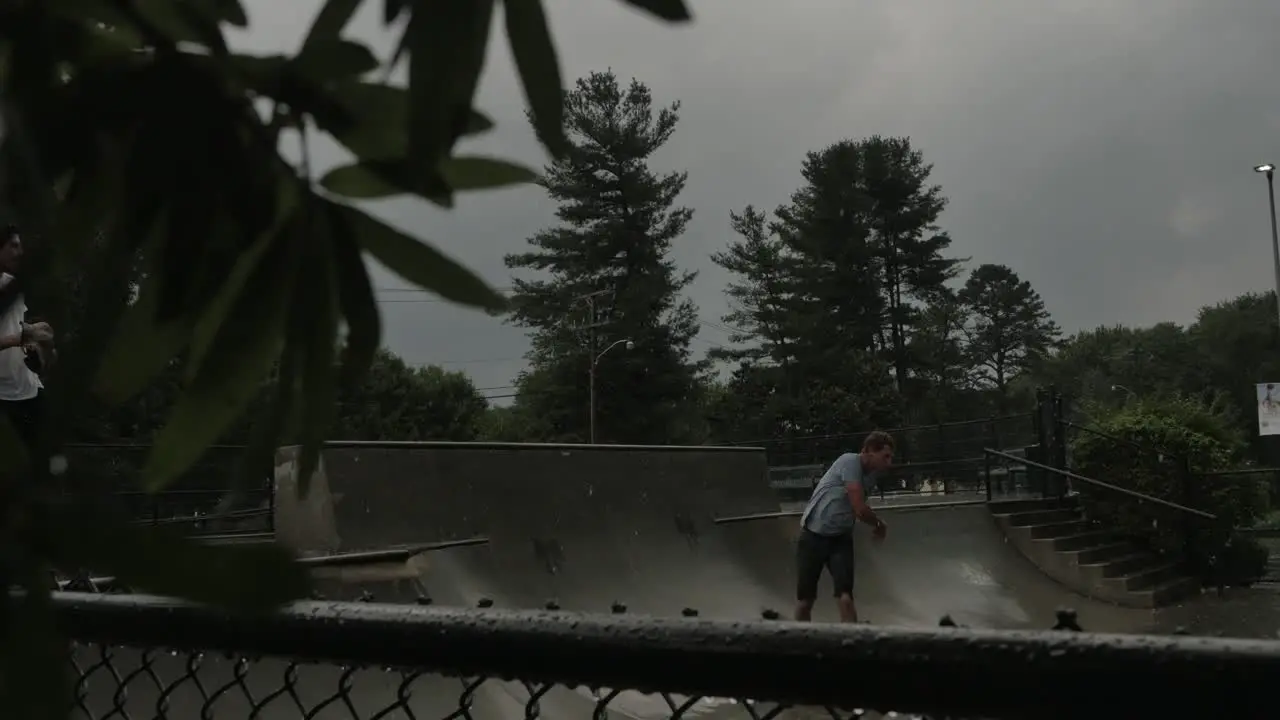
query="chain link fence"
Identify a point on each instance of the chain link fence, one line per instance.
(143, 657)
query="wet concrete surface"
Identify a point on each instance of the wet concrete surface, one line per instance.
(638, 529)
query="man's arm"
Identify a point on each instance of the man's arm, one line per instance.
(17, 339)
(858, 498)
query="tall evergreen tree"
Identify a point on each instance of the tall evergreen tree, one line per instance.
(760, 291)
(607, 277)
(1009, 328)
(902, 211)
(825, 229)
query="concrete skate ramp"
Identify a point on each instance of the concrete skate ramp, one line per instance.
(938, 559)
(581, 526)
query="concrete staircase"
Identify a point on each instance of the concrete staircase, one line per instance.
(1055, 535)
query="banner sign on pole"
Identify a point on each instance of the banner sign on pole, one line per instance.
(1269, 408)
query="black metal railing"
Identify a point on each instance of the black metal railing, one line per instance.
(1206, 547)
(1194, 522)
(198, 499)
(137, 657)
(939, 442)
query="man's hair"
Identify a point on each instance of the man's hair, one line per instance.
(10, 232)
(877, 441)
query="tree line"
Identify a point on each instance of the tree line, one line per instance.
(848, 311)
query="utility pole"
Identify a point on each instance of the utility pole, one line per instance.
(590, 326)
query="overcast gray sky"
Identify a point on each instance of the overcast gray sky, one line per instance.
(1101, 148)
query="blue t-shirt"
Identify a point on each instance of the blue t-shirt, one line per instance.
(829, 511)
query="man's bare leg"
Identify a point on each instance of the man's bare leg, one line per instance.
(848, 612)
(804, 610)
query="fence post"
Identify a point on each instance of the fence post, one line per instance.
(986, 467)
(941, 458)
(1060, 432)
(1035, 477)
(993, 442)
(1186, 488)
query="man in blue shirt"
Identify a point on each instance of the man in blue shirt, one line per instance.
(826, 527)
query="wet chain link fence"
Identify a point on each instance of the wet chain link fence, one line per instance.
(146, 657)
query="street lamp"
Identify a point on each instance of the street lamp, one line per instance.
(1270, 171)
(1132, 395)
(591, 379)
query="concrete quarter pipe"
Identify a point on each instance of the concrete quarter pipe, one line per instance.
(939, 559)
(594, 528)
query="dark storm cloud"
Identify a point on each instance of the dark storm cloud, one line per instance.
(1102, 149)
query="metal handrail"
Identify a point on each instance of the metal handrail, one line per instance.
(906, 507)
(1124, 441)
(891, 431)
(1098, 483)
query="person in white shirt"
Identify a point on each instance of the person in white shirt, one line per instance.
(20, 386)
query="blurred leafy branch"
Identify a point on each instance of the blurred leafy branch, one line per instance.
(130, 127)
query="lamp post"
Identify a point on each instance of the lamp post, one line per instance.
(591, 380)
(1132, 394)
(1270, 171)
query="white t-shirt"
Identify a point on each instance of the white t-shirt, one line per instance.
(17, 382)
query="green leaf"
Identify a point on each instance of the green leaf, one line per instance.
(374, 124)
(332, 19)
(161, 560)
(246, 267)
(327, 60)
(391, 10)
(535, 56)
(417, 262)
(229, 370)
(669, 10)
(35, 679)
(447, 41)
(358, 304)
(312, 333)
(227, 11)
(214, 318)
(480, 173)
(139, 350)
(187, 22)
(265, 433)
(364, 180)
(379, 179)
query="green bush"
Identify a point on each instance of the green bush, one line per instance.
(1241, 562)
(1167, 449)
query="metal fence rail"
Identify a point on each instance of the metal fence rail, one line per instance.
(139, 657)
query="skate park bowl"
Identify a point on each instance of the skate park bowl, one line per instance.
(580, 527)
(653, 530)
(939, 559)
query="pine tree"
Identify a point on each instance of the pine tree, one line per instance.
(902, 212)
(937, 352)
(1009, 328)
(824, 228)
(759, 291)
(607, 277)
